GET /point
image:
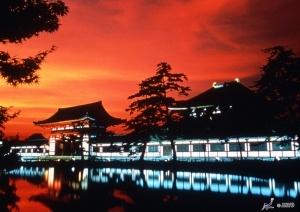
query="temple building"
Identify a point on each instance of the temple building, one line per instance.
(226, 110)
(74, 129)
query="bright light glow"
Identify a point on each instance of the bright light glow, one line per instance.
(215, 85)
(175, 108)
(157, 179)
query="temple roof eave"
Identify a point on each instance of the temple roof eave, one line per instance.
(45, 123)
(94, 112)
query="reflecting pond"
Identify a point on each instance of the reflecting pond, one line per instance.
(118, 189)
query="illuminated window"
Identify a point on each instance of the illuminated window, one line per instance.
(216, 147)
(96, 149)
(152, 148)
(106, 149)
(277, 146)
(236, 147)
(199, 148)
(258, 147)
(182, 148)
(35, 150)
(167, 150)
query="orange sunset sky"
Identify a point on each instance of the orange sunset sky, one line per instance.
(106, 47)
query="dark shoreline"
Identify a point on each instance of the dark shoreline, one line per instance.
(284, 169)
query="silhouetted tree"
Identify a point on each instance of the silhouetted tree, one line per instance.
(8, 159)
(19, 21)
(152, 106)
(280, 83)
(5, 116)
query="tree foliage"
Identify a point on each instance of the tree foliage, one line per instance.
(21, 71)
(5, 116)
(19, 21)
(280, 83)
(151, 106)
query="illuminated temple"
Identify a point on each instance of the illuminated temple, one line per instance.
(74, 129)
(226, 122)
(226, 110)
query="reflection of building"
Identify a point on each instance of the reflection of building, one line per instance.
(196, 181)
(73, 129)
(72, 181)
(89, 189)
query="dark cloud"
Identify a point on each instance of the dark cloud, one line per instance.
(160, 3)
(257, 22)
(209, 41)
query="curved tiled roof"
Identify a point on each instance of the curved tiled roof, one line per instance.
(242, 112)
(93, 111)
(229, 93)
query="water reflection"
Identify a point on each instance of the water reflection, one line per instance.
(116, 185)
(222, 183)
(8, 197)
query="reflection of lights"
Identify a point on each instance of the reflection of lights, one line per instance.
(278, 189)
(183, 180)
(153, 178)
(294, 191)
(158, 179)
(84, 183)
(219, 183)
(75, 185)
(46, 175)
(57, 185)
(50, 176)
(118, 194)
(79, 176)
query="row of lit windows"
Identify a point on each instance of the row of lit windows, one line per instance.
(221, 147)
(204, 147)
(69, 127)
(34, 150)
(106, 149)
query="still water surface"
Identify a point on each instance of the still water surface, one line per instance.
(117, 189)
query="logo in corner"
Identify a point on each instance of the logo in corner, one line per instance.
(268, 206)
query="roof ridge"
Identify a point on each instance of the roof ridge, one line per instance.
(81, 105)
